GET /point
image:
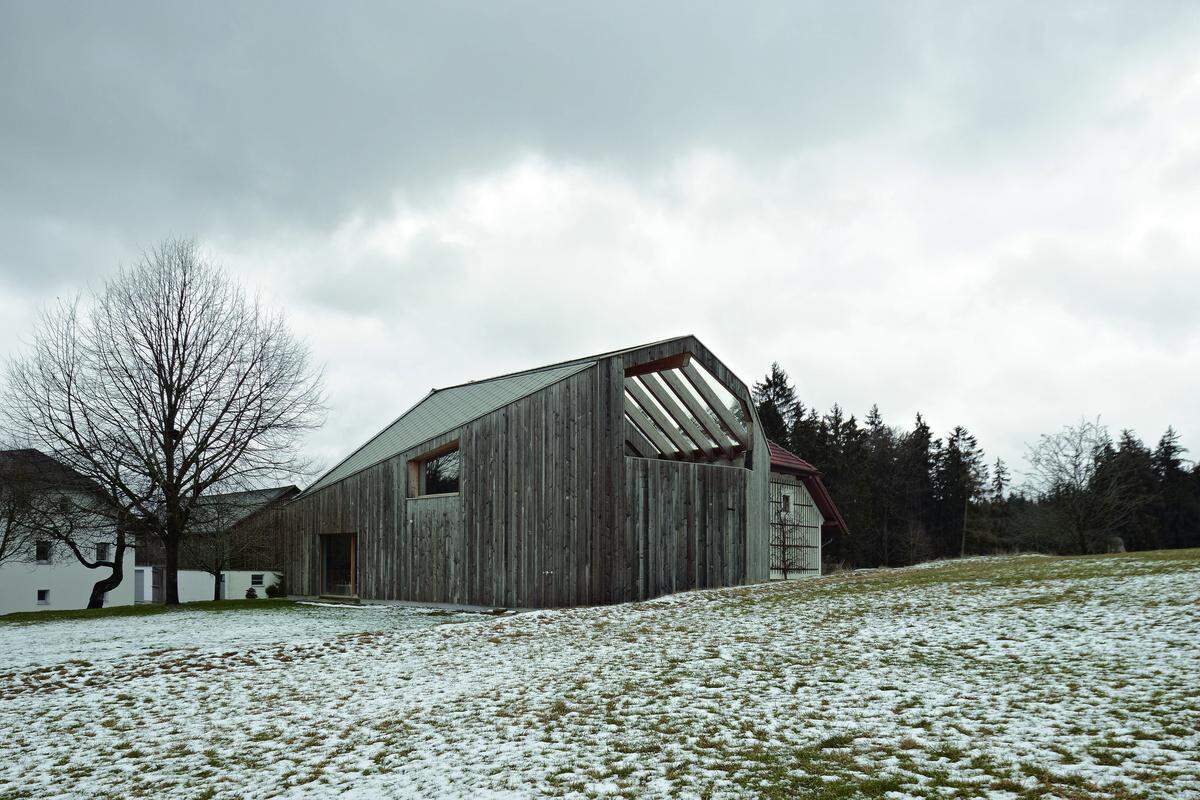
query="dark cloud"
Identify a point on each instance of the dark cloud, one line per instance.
(826, 183)
(153, 117)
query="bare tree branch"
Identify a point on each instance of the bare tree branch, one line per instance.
(167, 384)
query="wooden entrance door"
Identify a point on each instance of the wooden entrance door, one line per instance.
(337, 564)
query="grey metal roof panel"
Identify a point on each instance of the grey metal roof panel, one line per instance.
(444, 410)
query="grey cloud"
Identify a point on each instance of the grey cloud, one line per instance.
(871, 145)
(145, 119)
(1152, 293)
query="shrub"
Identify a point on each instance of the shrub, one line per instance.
(251, 594)
(276, 589)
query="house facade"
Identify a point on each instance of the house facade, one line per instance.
(230, 547)
(803, 515)
(57, 581)
(621, 476)
(39, 571)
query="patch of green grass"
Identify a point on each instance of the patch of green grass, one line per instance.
(34, 617)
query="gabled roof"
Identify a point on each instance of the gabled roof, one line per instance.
(784, 460)
(443, 410)
(232, 508)
(36, 470)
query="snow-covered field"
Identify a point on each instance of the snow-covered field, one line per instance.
(1023, 677)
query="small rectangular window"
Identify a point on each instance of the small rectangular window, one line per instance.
(256, 580)
(43, 596)
(102, 551)
(44, 552)
(438, 473)
(787, 504)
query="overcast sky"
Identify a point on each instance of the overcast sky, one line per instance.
(988, 213)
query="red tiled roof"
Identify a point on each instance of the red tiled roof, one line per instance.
(784, 460)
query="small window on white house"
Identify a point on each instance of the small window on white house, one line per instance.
(43, 552)
(787, 504)
(102, 551)
(256, 580)
(43, 596)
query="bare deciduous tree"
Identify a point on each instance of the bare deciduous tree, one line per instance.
(1063, 473)
(225, 531)
(163, 385)
(16, 514)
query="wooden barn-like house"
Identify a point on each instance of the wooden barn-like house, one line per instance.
(614, 477)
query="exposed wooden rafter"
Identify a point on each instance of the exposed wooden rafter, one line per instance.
(699, 411)
(659, 364)
(736, 429)
(640, 444)
(643, 399)
(676, 412)
(649, 429)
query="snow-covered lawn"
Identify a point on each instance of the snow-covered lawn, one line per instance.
(114, 638)
(1023, 677)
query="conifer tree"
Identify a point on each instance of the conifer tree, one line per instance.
(775, 400)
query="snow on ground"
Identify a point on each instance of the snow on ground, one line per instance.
(1000, 678)
(106, 639)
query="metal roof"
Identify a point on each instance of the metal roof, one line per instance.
(443, 410)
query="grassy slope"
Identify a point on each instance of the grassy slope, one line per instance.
(1014, 678)
(35, 617)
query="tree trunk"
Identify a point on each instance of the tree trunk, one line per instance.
(105, 585)
(171, 571)
(217, 586)
(962, 547)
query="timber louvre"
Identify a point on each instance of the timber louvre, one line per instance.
(611, 478)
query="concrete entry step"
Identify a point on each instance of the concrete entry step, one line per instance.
(349, 600)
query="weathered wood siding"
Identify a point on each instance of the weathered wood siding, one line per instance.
(527, 499)
(544, 517)
(688, 523)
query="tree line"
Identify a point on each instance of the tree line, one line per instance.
(909, 495)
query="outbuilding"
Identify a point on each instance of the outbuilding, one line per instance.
(620, 476)
(803, 516)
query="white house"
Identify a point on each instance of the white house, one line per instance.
(802, 514)
(58, 581)
(43, 506)
(196, 585)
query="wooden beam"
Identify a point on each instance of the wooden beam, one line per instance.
(639, 394)
(699, 411)
(724, 414)
(657, 365)
(676, 412)
(647, 426)
(638, 442)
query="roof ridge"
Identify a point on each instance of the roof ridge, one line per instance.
(567, 362)
(585, 360)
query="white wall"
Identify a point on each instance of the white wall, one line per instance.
(197, 585)
(69, 582)
(804, 514)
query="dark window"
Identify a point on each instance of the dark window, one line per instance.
(43, 552)
(102, 551)
(441, 473)
(787, 504)
(43, 597)
(256, 580)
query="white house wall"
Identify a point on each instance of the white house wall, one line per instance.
(69, 584)
(196, 585)
(799, 526)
